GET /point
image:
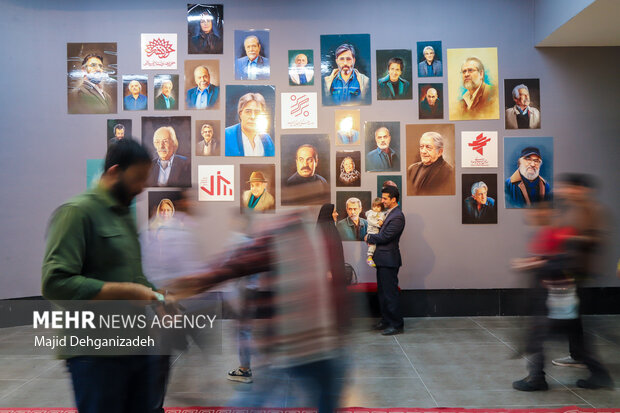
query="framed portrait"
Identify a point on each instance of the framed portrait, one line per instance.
(165, 90)
(135, 92)
(394, 75)
(301, 67)
(522, 97)
(250, 112)
(258, 187)
(429, 58)
(91, 78)
(348, 168)
(382, 141)
(479, 198)
(118, 129)
(202, 84)
(347, 128)
(430, 100)
(430, 159)
(208, 138)
(162, 206)
(528, 171)
(305, 167)
(345, 69)
(169, 138)
(479, 149)
(473, 82)
(393, 180)
(351, 207)
(205, 28)
(252, 55)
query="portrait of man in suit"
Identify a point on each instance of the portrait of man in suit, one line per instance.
(169, 168)
(165, 99)
(520, 112)
(253, 64)
(205, 95)
(209, 145)
(353, 227)
(383, 157)
(91, 96)
(249, 137)
(432, 175)
(257, 198)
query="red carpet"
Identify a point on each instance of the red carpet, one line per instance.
(567, 409)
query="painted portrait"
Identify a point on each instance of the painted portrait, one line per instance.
(118, 129)
(135, 92)
(91, 78)
(351, 207)
(429, 58)
(473, 83)
(348, 168)
(252, 55)
(163, 206)
(250, 120)
(166, 92)
(301, 67)
(394, 74)
(479, 198)
(208, 138)
(347, 130)
(346, 69)
(305, 167)
(205, 28)
(169, 139)
(528, 171)
(522, 103)
(258, 187)
(382, 142)
(430, 159)
(202, 84)
(430, 100)
(393, 180)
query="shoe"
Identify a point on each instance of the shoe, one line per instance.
(530, 384)
(380, 326)
(391, 331)
(242, 376)
(598, 381)
(370, 262)
(568, 361)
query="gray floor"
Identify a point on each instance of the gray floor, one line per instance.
(439, 362)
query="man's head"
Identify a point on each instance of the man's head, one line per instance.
(92, 65)
(252, 47)
(166, 88)
(383, 138)
(134, 87)
(431, 96)
(119, 131)
(347, 165)
(251, 109)
(472, 71)
(165, 142)
(354, 208)
(431, 147)
(575, 187)
(206, 22)
(345, 58)
(479, 192)
(301, 60)
(202, 77)
(395, 68)
(306, 159)
(258, 183)
(521, 96)
(126, 169)
(530, 162)
(429, 54)
(389, 196)
(207, 132)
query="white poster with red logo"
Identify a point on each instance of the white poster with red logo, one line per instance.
(216, 182)
(159, 51)
(299, 110)
(479, 149)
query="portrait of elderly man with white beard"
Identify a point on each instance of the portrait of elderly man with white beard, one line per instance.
(526, 187)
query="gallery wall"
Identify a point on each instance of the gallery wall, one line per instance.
(45, 150)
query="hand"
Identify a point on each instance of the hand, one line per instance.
(380, 223)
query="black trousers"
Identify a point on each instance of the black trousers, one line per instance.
(387, 292)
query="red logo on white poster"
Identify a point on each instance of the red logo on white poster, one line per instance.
(159, 47)
(219, 186)
(302, 103)
(479, 143)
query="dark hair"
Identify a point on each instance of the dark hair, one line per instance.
(88, 56)
(392, 191)
(125, 153)
(577, 179)
(345, 47)
(398, 61)
(118, 126)
(325, 214)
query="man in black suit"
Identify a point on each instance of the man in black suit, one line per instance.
(388, 261)
(169, 169)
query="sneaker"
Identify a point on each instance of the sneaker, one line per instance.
(568, 361)
(531, 384)
(597, 381)
(370, 262)
(242, 376)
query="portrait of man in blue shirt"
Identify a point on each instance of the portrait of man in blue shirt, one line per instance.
(135, 100)
(205, 94)
(345, 85)
(383, 157)
(252, 66)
